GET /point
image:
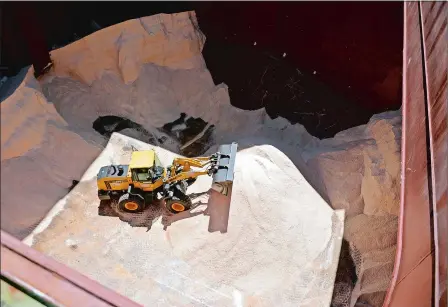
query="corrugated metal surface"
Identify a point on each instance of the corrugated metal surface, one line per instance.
(420, 275)
(435, 47)
(412, 280)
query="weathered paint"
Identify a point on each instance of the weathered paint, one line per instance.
(435, 45)
(419, 277)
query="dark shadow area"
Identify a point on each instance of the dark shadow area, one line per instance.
(105, 209)
(194, 134)
(11, 84)
(106, 125)
(185, 130)
(328, 66)
(271, 82)
(143, 219)
(74, 184)
(345, 277)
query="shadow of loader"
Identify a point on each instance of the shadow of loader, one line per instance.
(156, 211)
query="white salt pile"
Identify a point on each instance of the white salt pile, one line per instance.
(150, 70)
(39, 157)
(278, 250)
(360, 171)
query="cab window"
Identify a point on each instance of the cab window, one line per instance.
(141, 174)
(157, 161)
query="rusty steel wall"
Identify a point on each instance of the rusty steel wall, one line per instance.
(420, 273)
(434, 18)
(411, 283)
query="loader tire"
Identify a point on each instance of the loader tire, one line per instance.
(180, 202)
(130, 203)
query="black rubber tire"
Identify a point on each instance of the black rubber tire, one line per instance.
(136, 201)
(178, 198)
(103, 195)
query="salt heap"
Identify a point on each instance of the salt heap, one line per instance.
(150, 70)
(360, 171)
(39, 157)
(277, 249)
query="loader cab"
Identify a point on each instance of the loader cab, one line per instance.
(145, 166)
(141, 174)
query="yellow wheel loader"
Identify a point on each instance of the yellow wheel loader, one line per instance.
(145, 180)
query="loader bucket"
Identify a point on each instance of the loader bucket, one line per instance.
(220, 195)
(223, 178)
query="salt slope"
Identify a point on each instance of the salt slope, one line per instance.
(46, 146)
(38, 157)
(278, 250)
(360, 172)
(84, 106)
